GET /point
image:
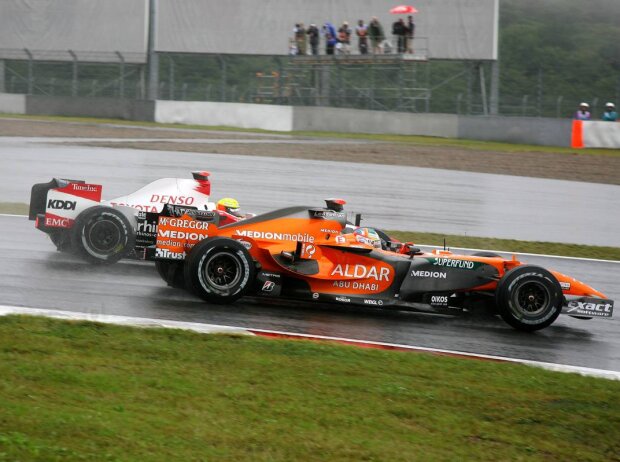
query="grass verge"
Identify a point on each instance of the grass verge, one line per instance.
(15, 208)
(87, 391)
(509, 245)
(409, 139)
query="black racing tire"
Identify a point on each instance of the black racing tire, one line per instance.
(219, 270)
(485, 254)
(61, 239)
(171, 272)
(529, 298)
(102, 235)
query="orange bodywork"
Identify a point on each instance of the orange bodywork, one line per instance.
(344, 261)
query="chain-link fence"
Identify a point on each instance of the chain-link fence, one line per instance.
(387, 82)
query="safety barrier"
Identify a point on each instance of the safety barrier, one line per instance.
(595, 134)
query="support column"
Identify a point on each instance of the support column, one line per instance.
(2, 76)
(483, 90)
(152, 56)
(494, 98)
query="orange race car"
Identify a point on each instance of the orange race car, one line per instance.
(315, 254)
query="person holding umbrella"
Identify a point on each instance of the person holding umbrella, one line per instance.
(409, 27)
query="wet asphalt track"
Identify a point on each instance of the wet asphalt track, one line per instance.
(33, 274)
(391, 197)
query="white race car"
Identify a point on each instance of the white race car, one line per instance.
(72, 213)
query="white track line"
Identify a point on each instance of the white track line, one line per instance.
(123, 320)
(466, 248)
(212, 328)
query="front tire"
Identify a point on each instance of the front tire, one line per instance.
(102, 235)
(220, 270)
(529, 298)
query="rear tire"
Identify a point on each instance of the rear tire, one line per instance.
(529, 298)
(102, 235)
(171, 272)
(220, 270)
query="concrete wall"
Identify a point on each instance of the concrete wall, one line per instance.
(12, 104)
(523, 130)
(361, 121)
(111, 108)
(263, 116)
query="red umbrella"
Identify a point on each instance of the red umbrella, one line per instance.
(403, 9)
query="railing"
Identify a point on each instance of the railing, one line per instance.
(415, 48)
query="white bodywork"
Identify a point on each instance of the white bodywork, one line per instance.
(64, 204)
(153, 196)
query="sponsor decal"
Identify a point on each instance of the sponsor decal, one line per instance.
(271, 275)
(268, 286)
(591, 307)
(328, 214)
(453, 263)
(84, 187)
(439, 300)
(165, 253)
(172, 234)
(142, 207)
(57, 204)
(329, 231)
(308, 251)
(54, 221)
(565, 285)
(183, 223)
(175, 200)
(146, 227)
(268, 235)
(343, 299)
(362, 272)
(370, 301)
(246, 244)
(315, 295)
(429, 274)
(90, 192)
(340, 240)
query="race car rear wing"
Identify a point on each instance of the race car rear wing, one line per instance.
(57, 204)
(38, 195)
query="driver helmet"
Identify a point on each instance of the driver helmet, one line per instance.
(229, 205)
(368, 236)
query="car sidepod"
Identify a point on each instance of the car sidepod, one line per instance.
(436, 274)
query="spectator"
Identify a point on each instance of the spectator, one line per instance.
(583, 113)
(410, 33)
(399, 30)
(300, 38)
(610, 114)
(313, 35)
(362, 33)
(344, 37)
(330, 37)
(376, 35)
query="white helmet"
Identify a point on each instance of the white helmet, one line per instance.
(611, 105)
(586, 105)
